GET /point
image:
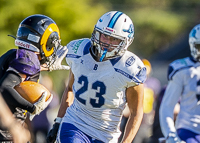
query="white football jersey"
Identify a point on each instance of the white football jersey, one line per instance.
(99, 90)
(184, 86)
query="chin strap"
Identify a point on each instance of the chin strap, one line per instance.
(12, 36)
(103, 55)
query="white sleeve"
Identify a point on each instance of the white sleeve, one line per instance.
(170, 99)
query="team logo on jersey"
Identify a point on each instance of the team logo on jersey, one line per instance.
(130, 61)
(76, 46)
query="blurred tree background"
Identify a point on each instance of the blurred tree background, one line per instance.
(157, 23)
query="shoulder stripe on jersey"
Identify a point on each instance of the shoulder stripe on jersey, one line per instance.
(114, 19)
(72, 56)
(171, 71)
(127, 75)
(170, 75)
(86, 48)
(115, 60)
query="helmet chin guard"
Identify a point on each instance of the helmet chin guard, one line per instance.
(114, 24)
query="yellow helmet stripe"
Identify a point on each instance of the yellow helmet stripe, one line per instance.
(51, 28)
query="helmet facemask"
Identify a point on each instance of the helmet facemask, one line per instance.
(104, 51)
(195, 50)
(194, 41)
(53, 43)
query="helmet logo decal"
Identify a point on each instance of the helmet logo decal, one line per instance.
(100, 20)
(51, 28)
(130, 30)
(130, 61)
(109, 29)
(114, 19)
(33, 38)
(26, 45)
(194, 33)
(22, 44)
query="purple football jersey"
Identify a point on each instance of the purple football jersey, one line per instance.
(26, 62)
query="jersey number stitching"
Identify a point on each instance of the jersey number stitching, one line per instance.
(97, 103)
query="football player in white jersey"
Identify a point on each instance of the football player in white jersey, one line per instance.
(183, 86)
(104, 76)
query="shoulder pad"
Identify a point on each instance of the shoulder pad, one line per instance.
(26, 62)
(132, 67)
(5, 59)
(79, 47)
(178, 65)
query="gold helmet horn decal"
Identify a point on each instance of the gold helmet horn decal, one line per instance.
(51, 28)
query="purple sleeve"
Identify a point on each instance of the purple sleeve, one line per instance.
(26, 62)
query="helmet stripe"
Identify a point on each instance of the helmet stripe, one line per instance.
(51, 28)
(114, 19)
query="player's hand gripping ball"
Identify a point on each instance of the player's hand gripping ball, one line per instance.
(31, 91)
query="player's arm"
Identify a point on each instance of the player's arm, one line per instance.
(166, 112)
(171, 96)
(67, 97)
(66, 101)
(10, 95)
(19, 133)
(134, 96)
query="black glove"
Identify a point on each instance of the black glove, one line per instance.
(51, 137)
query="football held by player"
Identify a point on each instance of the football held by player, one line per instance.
(104, 76)
(38, 42)
(183, 86)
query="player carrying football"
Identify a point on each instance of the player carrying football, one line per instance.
(104, 76)
(38, 41)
